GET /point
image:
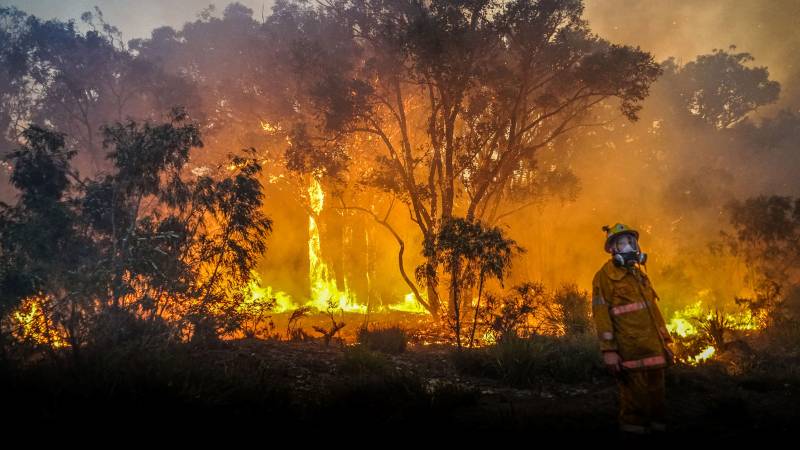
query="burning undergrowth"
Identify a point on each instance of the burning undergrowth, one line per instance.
(414, 220)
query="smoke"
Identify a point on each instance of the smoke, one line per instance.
(668, 175)
(686, 28)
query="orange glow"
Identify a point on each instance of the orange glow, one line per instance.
(31, 324)
(324, 289)
(270, 128)
(685, 324)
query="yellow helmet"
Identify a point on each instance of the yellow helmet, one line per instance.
(617, 230)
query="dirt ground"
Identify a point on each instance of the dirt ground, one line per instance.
(293, 387)
(703, 402)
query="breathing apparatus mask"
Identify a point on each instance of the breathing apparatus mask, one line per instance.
(625, 251)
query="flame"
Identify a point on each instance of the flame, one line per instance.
(683, 323)
(409, 305)
(324, 290)
(703, 356)
(233, 166)
(31, 324)
(256, 293)
(270, 128)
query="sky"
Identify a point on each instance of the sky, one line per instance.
(679, 28)
(134, 18)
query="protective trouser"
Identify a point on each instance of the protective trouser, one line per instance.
(642, 398)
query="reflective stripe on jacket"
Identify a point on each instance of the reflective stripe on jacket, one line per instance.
(627, 317)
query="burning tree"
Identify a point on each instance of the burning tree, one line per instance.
(530, 309)
(150, 240)
(766, 235)
(465, 249)
(454, 99)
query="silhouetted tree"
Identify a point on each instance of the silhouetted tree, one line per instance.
(468, 249)
(766, 234)
(721, 89)
(77, 82)
(148, 238)
(453, 98)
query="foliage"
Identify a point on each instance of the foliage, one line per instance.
(721, 90)
(359, 360)
(766, 231)
(253, 312)
(713, 327)
(76, 82)
(524, 362)
(146, 238)
(531, 309)
(468, 250)
(511, 315)
(574, 309)
(163, 382)
(490, 83)
(391, 339)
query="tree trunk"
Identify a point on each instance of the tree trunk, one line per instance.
(433, 297)
(477, 308)
(455, 304)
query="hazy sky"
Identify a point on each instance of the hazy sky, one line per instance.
(134, 18)
(768, 29)
(681, 28)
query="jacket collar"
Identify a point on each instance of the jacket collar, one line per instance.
(614, 272)
(617, 273)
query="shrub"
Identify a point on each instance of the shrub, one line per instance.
(524, 361)
(477, 362)
(575, 310)
(115, 328)
(171, 382)
(360, 361)
(391, 339)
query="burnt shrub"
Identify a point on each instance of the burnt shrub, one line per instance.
(391, 339)
(117, 330)
(522, 362)
(575, 309)
(168, 383)
(478, 362)
(361, 361)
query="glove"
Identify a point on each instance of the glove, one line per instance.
(613, 362)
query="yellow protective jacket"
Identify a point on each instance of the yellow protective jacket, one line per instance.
(627, 317)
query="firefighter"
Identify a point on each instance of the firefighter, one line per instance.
(633, 337)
